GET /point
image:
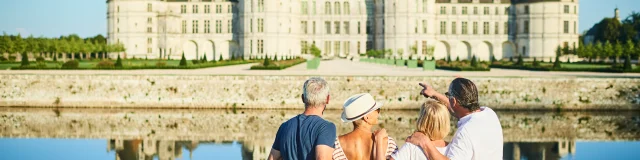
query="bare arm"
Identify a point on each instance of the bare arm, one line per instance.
(274, 155)
(429, 92)
(382, 142)
(324, 152)
(429, 150)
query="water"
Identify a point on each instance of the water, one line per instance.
(248, 134)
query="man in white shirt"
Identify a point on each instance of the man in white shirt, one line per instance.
(479, 134)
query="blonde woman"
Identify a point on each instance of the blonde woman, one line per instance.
(434, 122)
(362, 143)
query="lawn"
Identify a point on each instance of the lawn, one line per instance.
(128, 64)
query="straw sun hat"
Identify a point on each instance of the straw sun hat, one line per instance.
(357, 106)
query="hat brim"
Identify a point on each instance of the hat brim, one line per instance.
(374, 108)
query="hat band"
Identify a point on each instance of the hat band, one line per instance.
(374, 105)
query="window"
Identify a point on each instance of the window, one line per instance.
(194, 26)
(304, 8)
(336, 47)
(337, 25)
(184, 26)
(566, 26)
(424, 26)
(337, 6)
(496, 28)
(526, 9)
(183, 8)
(260, 5)
(118, 30)
(346, 27)
(229, 9)
(424, 6)
(575, 27)
(261, 46)
(453, 10)
(359, 30)
(347, 47)
(358, 47)
(475, 27)
(575, 10)
(251, 25)
(443, 27)
(347, 9)
(149, 29)
(506, 10)
(218, 8)
(424, 47)
(497, 12)
(485, 28)
(506, 27)
(149, 40)
(416, 27)
(195, 9)
(464, 10)
(207, 26)
(475, 10)
(327, 26)
(526, 26)
(252, 9)
(486, 11)
(566, 8)
(118, 10)
(327, 8)
(261, 25)
(443, 10)
(207, 8)
(453, 28)
(149, 50)
(149, 20)
(219, 26)
(303, 47)
(465, 28)
(314, 27)
(229, 26)
(314, 7)
(303, 25)
(327, 47)
(149, 7)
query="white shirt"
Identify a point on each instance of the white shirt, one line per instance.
(479, 137)
(412, 152)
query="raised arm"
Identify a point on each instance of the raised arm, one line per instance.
(275, 155)
(429, 92)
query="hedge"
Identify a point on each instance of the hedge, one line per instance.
(279, 65)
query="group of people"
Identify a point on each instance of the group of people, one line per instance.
(309, 136)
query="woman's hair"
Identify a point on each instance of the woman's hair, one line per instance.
(434, 120)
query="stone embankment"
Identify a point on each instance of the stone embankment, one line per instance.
(283, 92)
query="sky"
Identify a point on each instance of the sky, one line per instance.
(53, 18)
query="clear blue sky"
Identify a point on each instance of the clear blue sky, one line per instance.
(52, 18)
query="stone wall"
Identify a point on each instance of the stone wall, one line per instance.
(269, 92)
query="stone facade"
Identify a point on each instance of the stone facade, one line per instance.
(269, 92)
(259, 28)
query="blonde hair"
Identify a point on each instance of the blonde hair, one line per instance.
(434, 120)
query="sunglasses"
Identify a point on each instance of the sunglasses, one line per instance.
(378, 110)
(448, 95)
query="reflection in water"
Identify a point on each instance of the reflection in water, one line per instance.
(169, 134)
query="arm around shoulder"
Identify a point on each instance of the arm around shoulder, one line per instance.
(324, 152)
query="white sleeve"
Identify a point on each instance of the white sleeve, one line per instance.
(405, 152)
(460, 147)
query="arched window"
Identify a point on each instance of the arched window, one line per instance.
(327, 8)
(347, 9)
(337, 6)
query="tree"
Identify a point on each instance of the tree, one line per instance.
(457, 58)
(608, 30)
(607, 50)
(183, 61)
(535, 62)
(618, 50)
(520, 62)
(556, 64)
(627, 62)
(598, 51)
(218, 59)
(315, 51)
(25, 60)
(204, 59)
(118, 62)
(414, 51)
(266, 62)
(474, 61)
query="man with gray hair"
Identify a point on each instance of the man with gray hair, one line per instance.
(479, 134)
(307, 135)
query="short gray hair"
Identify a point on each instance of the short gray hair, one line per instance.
(315, 91)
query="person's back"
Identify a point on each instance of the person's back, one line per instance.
(481, 130)
(297, 138)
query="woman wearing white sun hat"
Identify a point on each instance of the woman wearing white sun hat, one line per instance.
(361, 143)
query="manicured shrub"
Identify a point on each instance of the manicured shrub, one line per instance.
(39, 59)
(474, 61)
(520, 62)
(72, 64)
(535, 62)
(118, 62)
(627, 63)
(25, 60)
(195, 61)
(183, 61)
(105, 64)
(161, 64)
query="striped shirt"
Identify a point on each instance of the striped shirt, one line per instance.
(339, 154)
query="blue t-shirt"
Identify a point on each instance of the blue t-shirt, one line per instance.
(298, 137)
